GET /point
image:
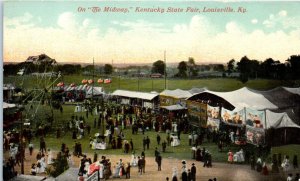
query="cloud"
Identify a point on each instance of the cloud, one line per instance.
(282, 13)
(282, 20)
(145, 41)
(67, 21)
(254, 21)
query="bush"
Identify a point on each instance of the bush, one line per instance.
(60, 164)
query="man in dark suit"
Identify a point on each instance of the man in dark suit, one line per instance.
(193, 172)
(140, 165)
(158, 160)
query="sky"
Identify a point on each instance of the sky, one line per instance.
(64, 32)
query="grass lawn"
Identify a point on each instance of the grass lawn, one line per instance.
(183, 151)
(289, 150)
(145, 84)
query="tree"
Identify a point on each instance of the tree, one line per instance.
(70, 69)
(294, 66)
(182, 69)
(60, 164)
(108, 69)
(192, 67)
(243, 66)
(230, 66)
(219, 67)
(158, 67)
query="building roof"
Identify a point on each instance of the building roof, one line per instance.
(178, 93)
(135, 94)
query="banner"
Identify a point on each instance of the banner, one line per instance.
(233, 117)
(197, 109)
(197, 112)
(148, 104)
(125, 101)
(255, 118)
(255, 136)
(213, 120)
(166, 100)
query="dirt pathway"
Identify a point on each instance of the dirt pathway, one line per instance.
(221, 171)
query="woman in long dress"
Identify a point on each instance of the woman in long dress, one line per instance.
(49, 157)
(41, 165)
(230, 157)
(133, 161)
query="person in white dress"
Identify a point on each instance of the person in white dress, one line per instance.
(134, 160)
(49, 157)
(41, 165)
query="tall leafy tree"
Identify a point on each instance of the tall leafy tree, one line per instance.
(294, 66)
(108, 69)
(158, 67)
(230, 66)
(244, 67)
(192, 70)
(182, 69)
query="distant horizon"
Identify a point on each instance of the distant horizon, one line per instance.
(134, 33)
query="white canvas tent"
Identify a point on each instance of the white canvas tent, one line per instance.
(245, 98)
(96, 91)
(293, 90)
(7, 105)
(135, 94)
(175, 107)
(178, 93)
(279, 120)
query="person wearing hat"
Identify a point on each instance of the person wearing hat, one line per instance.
(193, 172)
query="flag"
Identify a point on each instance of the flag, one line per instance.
(100, 81)
(107, 81)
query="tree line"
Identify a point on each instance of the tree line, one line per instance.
(248, 68)
(65, 69)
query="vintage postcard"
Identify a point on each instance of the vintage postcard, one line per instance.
(165, 90)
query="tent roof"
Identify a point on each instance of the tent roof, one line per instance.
(279, 120)
(175, 107)
(178, 93)
(293, 90)
(285, 99)
(95, 90)
(281, 97)
(135, 94)
(244, 98)
(7, 105)
(197, 90)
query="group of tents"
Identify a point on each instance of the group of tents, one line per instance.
(257, 111)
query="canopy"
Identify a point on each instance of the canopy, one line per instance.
(7, 105)
(95, 90)
(279, 120)
(178, 93)
(293, 90)
(175, 107)
(282, 97)
(244, 98)
(135, 94)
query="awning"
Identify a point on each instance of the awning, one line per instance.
(175, 107)
(7, 105)
(135, 94)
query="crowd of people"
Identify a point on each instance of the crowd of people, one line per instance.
(116, 119)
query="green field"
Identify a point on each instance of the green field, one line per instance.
(182, 151)
(146, 84)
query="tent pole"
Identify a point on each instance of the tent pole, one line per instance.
(284, 135)
(245, 112)
(265, 127)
